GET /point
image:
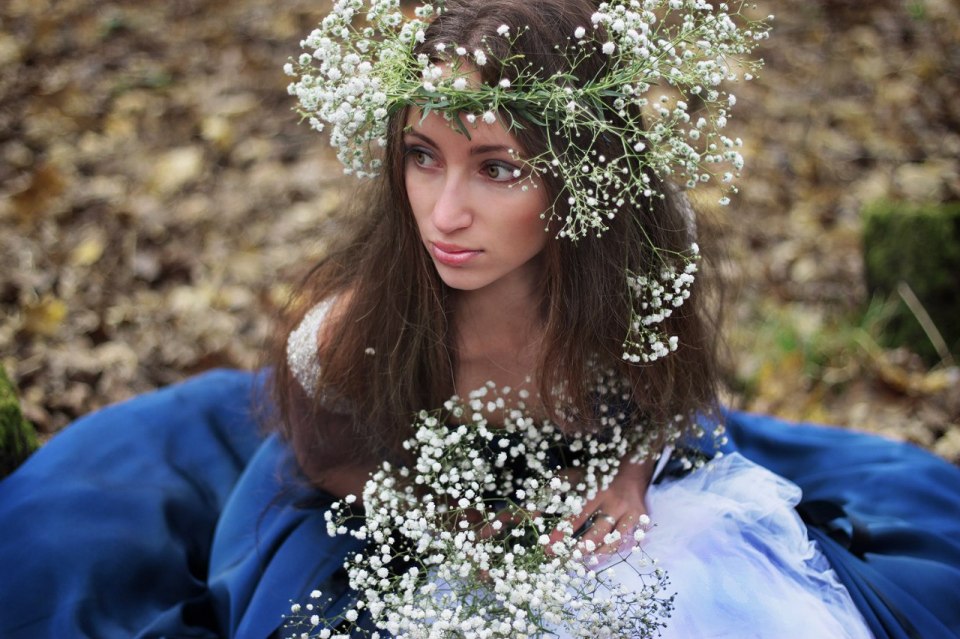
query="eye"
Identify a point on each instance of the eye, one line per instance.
(420, 156)
(500, 171)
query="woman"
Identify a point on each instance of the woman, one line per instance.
(183, 521)
(483, 286)
(477, 287)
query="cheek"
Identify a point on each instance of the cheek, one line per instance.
(534, 221)
(526, 230)
(418, 198)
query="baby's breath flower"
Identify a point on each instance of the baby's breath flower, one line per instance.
(653, 302)
(529, 576)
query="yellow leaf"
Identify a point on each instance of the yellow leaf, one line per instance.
(89, 251)
(45, 316)
(177, 168)
(46, 184)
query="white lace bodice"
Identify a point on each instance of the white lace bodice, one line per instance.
(302, 347)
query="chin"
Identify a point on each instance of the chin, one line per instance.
(462, 282)
(461, 279)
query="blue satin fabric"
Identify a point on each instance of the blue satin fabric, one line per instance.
(902, 565)
(165, 516)
(170, 515)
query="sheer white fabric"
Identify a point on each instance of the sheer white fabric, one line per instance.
(739, 560)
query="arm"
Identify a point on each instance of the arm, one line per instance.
(344, 474)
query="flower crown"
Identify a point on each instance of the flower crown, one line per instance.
(660, 97)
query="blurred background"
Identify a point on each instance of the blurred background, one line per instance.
(157, 197)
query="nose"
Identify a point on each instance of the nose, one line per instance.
(453, 209)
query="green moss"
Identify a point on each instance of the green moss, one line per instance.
(918, 245)
(17, 436)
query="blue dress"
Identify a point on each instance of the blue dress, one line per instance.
(172, 515)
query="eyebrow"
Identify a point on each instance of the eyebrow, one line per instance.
(474, 150)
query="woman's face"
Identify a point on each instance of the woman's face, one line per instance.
(478, 209)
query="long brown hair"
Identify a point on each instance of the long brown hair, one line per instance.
(394, 302)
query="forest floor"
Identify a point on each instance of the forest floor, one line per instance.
(158, 196)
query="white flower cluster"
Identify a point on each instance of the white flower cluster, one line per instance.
(686, 57)
(654, 300)
(361, 72)
(665, 57)
(474, 539)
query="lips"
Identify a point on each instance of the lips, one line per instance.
(452, 254)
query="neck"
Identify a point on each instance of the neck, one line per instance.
(498, 331)
(504, 314)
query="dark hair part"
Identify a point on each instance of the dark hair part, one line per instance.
(394, 302)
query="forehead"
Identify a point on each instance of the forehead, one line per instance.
(445, 132)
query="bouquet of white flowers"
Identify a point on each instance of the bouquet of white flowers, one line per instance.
(474, 538)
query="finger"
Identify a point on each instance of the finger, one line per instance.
(610, 519)
(613, 543)
(601, 533)
(631, 532)
(582, 522)
(592, 539)
(582, 525)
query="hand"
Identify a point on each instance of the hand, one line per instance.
(621, 507)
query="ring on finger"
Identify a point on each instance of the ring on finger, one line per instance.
(610, 519)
